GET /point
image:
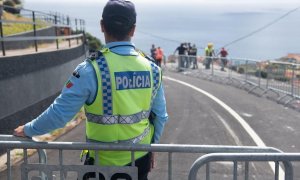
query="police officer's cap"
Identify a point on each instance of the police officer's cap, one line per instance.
(119, 13)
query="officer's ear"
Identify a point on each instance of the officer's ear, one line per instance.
(131, 33)
(102, 26)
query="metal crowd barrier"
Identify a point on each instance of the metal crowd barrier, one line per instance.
(9, 142)
(280, 78)
(285, 158)
(16, 140)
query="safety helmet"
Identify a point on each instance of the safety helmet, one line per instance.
(210, 45)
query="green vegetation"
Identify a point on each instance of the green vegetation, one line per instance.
(15, 4)
(14, 28)
(93, 42)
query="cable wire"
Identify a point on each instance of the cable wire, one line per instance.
(261, 28)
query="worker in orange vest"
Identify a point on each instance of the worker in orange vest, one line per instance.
(159, 56)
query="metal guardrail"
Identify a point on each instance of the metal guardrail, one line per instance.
(48, 170)
(65, 27)
(285, 158)
(282, 78)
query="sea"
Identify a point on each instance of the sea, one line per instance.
(261, 31)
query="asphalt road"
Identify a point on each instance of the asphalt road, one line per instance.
(195, 118)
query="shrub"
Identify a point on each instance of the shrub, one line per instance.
(234, 68)
(283, 79)
(262, 74)
(11, 8)
(93, 43)
(241, 70)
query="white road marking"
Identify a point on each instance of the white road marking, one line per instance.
(229, 129)
(258, 141)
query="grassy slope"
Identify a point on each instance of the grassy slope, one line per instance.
(14, 28)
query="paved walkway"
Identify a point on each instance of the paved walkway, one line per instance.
(63, 44)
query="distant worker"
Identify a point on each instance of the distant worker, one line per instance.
(193, 56)
(209, 53)
(224, 59)
(153, 51)
(182, 51)
(159, 56)
(119, 88)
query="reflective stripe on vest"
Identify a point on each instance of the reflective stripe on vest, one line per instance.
(106, 86)
(107, 118)
(155, 72)
(117, 119)
(134, 140)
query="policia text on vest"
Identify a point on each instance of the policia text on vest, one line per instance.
(132, 80)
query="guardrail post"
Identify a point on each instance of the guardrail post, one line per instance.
(1, 29)
(56, 33)
(76, 30)
(269, 71)
(69, 33)
(34, 31)
(8, 164)
(259, 72)
(292, 80)
(246, 71)
(170, 166)
(212, 65)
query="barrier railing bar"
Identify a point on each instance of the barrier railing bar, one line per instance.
(235, 166)
(285, 158)
(132, 159)
(246, 170)
(170, 159)
(40, 38)
(8, 164)
(1, 33)
(178, 148)
(61, 163)
(34, 32)
(276, 170)
(207, 170)
(254, 76)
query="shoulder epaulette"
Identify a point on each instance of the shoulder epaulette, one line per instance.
(149, 58)
(95, 55)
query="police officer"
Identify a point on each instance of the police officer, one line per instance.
(118, 87)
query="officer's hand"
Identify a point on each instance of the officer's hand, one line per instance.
(19, 131)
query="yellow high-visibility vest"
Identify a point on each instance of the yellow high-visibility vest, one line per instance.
(127, 86)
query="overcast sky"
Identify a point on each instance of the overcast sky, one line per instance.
(271, 2)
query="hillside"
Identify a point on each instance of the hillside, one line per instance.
(15, 28)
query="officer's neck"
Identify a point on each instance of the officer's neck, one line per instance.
(109, 39)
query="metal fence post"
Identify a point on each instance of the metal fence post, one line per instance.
(8, 164)
(34, 31)
(246, 72)
(269, 71)
(259, 72)
(1, 28)
(212, 65)
(292, 80)
(68, 23)
(56, 33)
(76, 30)
(170, 166)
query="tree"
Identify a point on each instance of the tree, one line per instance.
(14, 6)
(93, 43)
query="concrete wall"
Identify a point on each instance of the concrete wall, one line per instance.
(29, 83)
(49, 31)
